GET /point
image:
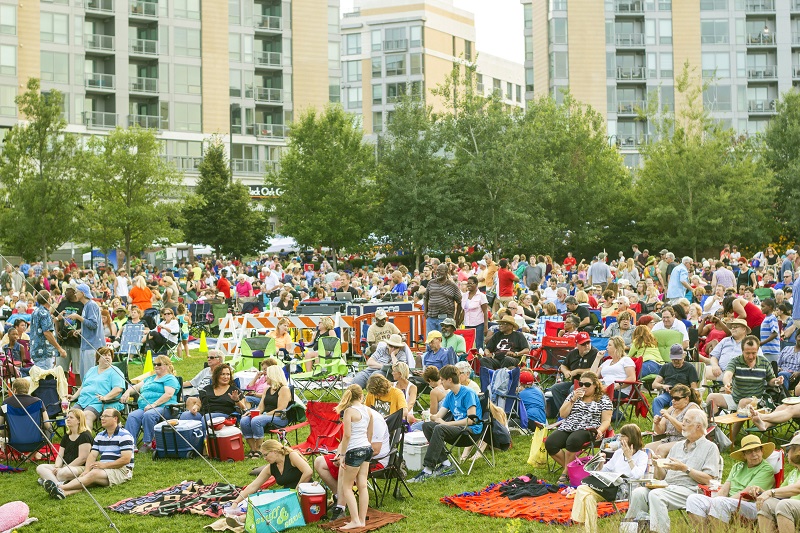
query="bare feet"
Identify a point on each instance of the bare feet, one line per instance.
(351, 525)
(756, 418)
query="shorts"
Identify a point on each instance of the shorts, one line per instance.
(732, 406)
(73, 359)
(92, 410)
(357, 456)
(334, 469)
(118, 476)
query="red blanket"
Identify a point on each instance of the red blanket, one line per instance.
(550, 509)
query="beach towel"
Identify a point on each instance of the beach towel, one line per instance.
(188, 497)
(375, 520)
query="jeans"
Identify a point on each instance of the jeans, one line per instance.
(650, 367)
(786, 376)
(146, 421)
(660, 402)
(45, 364)
(432, 324)
(362, 377)
(478, 335)
(253, 428)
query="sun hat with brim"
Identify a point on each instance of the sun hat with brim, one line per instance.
(751, 442)
(738, 322)
(508, 319)
(395, 340)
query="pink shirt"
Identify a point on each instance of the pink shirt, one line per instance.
(473, 312)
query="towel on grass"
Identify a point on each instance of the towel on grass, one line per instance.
(188, 497)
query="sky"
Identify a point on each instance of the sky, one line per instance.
(498, 23)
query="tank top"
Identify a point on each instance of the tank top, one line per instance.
(271, 399)
(358, 431)
(405, 390)
(291, 474)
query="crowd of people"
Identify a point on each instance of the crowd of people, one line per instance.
(732, 313)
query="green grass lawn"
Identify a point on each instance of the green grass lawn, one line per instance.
(78, 513)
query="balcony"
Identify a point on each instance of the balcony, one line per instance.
(761, 39)
(629, 142)
(796, 39)
(267, 95)
(761, 107)
(630, 107)
(255, 167)
(185, 163)
(99, 119)
(769, 72)
(267, 59)
(99, 6)
(759, 6)
(630, 40)
(796, 72)
(143, 9)
(629, 8)
(143, 85)
(267, 23)
(143, 47)
(631, 73)
(271, 131)
(148, 121)
(100, 43)
(99, 82)
(396, 45)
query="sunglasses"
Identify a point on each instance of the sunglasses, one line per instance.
(158, 364)
(676, 398)
(586, 384)
(213, 357)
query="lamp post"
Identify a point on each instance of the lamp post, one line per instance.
(234, 109)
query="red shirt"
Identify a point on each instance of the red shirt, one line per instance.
(505, 280)
(593, 302)
(569, 262)
(224, 286)
(754, 315)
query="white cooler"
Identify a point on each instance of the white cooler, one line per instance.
(414, 447)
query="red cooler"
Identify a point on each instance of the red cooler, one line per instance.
(226, 444)
(313, 501)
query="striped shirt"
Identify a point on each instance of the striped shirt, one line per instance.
(773, 347)
(110, 447)
(748, 382)
(789, 361)
(441, 297)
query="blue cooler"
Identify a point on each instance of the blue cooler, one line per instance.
(176, 441)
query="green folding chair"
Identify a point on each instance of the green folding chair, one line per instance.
(253, 349)
(328, 374)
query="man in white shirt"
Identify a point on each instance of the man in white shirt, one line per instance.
(668, 322)
(550, 294)
(271, 281)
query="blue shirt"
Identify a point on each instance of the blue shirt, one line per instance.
(773, 347)
(459, 404)
(533, 399)
(153, 389)
(95, 383)
(111, 447)
(41, 322)
(445, 356)
(92, 337)
(676, 289)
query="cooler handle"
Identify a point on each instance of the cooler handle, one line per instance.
(197, 433)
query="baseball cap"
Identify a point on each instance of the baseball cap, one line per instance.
(84, 288)
(791, 251)
(525, 378)
(794, 442)
(380, 314)
(582, 338)
(676, 352)
(433, 335)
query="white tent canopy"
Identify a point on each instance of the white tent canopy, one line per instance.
(279, 242)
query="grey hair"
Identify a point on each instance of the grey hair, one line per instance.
(696, 416)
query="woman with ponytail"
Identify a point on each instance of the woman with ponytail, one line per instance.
(356, 450)
(285, 464)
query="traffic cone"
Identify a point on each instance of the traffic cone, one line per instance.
(203, 343)
(148, 363)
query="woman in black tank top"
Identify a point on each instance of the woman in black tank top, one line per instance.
(271, 410)
(288, 466)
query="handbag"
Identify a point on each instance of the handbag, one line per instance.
(270, 511)
(608, 492)
(578, 469)
(538, 454)
(721, 440)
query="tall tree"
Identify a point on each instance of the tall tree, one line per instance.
(328, 178)
(136, 196)
(222, 214)
(782, 153)
(416, 188)
(40, 177)
(700, 185)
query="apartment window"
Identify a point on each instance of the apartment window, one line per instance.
(354, 98)
(558, 31)
(528, 48)
(395, 34)
(353, 42)
(396, 65)
(559, 65)
(713, 5)
(8, 107)
(558, 5)
(54, 28)
(247, 83)
(741, 66)
(55, 67)
(509, 90)
(528, 15)
(234, 12)
(716, 64)
(187, 79)
(416, 64)
(519, 93)
(377, 67)
(234, 47)
(468, 50)
(8, 21)
(667, 69)
(649, 31)
(377, 94)
(377, 121)
(416, 89)
(187, 42)
(352, 71)
(394, 91)
(333, 20)
(377, 45)
(416, 36)
(187, 116)
(187, 9)
(665, 31)
(334, 91)
(333, 55)
(235, 82)
(497, 88)
(652, 65)
(717, 98)
(714, 32)
(8, 60)
(529, 80)
(668, 97)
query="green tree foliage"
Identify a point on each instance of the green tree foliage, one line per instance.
(135, 195)
(40, 178)
(782, 153)
(327, 175)
(700, 186)
(417, 191)
(222, 214)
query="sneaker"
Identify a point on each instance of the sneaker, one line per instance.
(54, 490)
(40, 481)
(443, 471)
(337, 513)
(421, 477)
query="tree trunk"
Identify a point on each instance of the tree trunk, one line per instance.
(417, 256)
(334, 265)
(128, 254)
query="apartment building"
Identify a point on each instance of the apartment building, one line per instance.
(615, 54)
(396, 47)
(239, 69)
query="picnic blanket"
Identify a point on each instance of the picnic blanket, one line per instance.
(550, 508)
(375, 520)
(188, 497)
(10, 469)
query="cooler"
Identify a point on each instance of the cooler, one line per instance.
(313, 501)
(179, 441)
(226, 444)
(414, 447)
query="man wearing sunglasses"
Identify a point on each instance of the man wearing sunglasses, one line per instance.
(203, 378)
(779, 508)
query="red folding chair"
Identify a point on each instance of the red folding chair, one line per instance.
(636, 399)
(325, 429)
(551, 328)
(545, 361)
(469, 337)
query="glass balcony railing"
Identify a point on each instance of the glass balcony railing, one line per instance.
(628, 7)
(762, 73)
(148, 121)
(760, 6)
(105, 6)
(762, 106)
(95, 41)
(147, 47)
(144, 85)
(185, 163)
(143, 8)
(395, 45)
(629, 141)
(630, 107)
(99, 119)
(629, 39)
(631, 73)
(267, 22)
(271, 131)
(264, 94)
(761, 39)
(267, 59)
(100, 81)
(250, 166)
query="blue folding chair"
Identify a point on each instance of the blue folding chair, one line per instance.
(130, 341)
(24, 430)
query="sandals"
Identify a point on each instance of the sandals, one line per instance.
(254, 455)
(563, 480)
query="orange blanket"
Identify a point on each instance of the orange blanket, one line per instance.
(550, 509)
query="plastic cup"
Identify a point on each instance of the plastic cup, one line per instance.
(254, 413)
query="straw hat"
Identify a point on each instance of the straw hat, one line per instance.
(751, 442)
(738, 322)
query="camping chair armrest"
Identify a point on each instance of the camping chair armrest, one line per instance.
(293, 427)
(705, 489)
(628, 382)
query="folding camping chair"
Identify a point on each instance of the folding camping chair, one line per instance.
(296, 419)
(636, 400)
(218, 312)
(130, 341)
(472, 441)
(253, 349)
(329, 372)
(25, 434)
(325, 429)
(201, 319)
(393, 471)
(545, 361)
